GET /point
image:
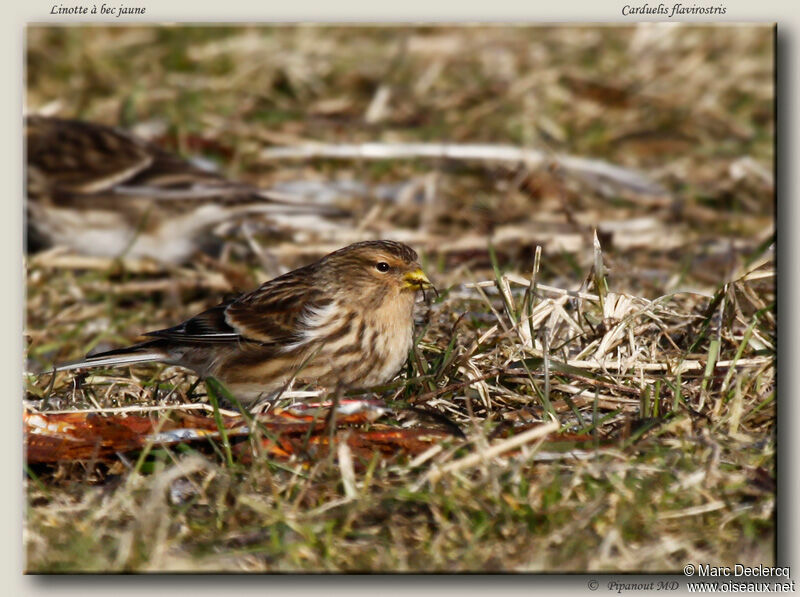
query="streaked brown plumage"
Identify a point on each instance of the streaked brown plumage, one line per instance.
(344, 320)
(101, 191)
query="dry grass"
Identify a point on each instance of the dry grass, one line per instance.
(642, 319)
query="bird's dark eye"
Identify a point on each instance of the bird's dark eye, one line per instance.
(382, 267)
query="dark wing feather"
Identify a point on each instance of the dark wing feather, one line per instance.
(208, 326)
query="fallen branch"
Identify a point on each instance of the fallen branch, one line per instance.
(635, 181)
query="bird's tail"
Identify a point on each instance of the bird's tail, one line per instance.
(145, 352)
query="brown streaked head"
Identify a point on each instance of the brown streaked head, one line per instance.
(378, 264)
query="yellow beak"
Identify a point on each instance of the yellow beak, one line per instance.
(417, 280)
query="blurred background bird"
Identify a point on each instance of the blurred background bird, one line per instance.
(101, 191)
(346, 320)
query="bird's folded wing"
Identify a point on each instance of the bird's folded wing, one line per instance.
(274, 314)
(76, 161)
(82, 157)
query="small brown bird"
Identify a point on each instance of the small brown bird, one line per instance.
(101, 191)
(345, 320)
